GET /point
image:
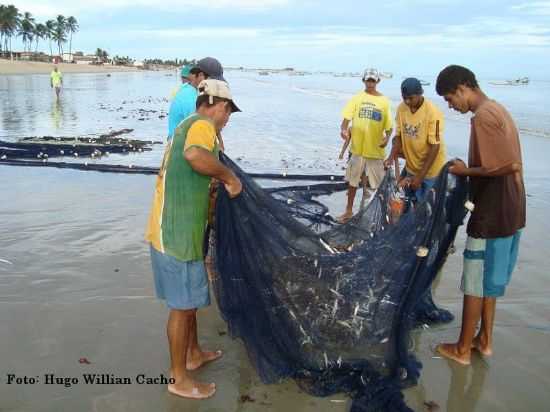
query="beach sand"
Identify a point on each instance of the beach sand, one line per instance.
(76, 281)
(80, 286)
(24, 67)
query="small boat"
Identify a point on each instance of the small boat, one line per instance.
(521, 81)
(263, 73)
(422, 82)
(386, 75)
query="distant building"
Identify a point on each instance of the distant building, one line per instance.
(88, 59)
(139, 63)
(68, 58)
(31, 56)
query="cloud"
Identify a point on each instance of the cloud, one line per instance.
(201, 32)
(534, 7)
(51, 8)
(481, 33)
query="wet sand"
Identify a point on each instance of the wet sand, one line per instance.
(80, 286)
(24, 67)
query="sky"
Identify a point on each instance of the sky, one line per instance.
(495, 38)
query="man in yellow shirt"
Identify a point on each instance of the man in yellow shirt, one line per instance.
(371, 126)
(419, 137)
(56, 80)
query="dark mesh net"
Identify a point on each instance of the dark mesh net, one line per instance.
(332, 309)
(328, 305)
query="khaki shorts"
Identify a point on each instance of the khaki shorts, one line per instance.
(372, 168)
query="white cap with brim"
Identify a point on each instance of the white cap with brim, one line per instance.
(217, 88)
(371, 74)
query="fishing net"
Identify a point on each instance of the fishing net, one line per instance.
(332, 309)
(329, 305)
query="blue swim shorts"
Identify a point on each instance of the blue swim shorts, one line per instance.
(182, 285)
(488, 265)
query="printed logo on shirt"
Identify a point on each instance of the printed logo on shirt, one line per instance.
(369, 111)
(411, 130)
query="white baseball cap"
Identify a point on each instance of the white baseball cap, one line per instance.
(217, 88)
(371, 74)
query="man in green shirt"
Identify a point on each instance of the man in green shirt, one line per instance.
(176, 230)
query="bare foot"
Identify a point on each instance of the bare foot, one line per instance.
(450, 351)
(485, 350)
(195, 362)
(344, 218)
(192, 389)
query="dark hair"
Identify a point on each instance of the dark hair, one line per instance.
(453, 76)
(196, 71)
(204, 99)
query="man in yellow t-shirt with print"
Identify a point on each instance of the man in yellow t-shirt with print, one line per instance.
(371, 127)
(419, 137)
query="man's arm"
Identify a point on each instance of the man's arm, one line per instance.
(344, 130)
(204, 162)
(396, 148)
(388, 125)
(459, 168)
(386, 138)
(430, 159)
(220, 140)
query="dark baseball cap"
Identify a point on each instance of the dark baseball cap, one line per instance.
(211, 66)
(410, 87)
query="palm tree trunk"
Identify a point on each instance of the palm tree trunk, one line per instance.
(71, 43)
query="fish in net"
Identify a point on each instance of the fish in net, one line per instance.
(331, 308)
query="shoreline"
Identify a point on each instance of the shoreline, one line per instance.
(18, 67)
(76, 289)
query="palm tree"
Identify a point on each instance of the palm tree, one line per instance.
(50, 30)
(9, 23)
(2, 19)
(40, 32)
(59, 33)
(71, 27)
(26, 29)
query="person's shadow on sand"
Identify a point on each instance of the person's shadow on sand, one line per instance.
(463, 395)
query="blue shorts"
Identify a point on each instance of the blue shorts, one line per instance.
(183, 285)
(488, 265)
